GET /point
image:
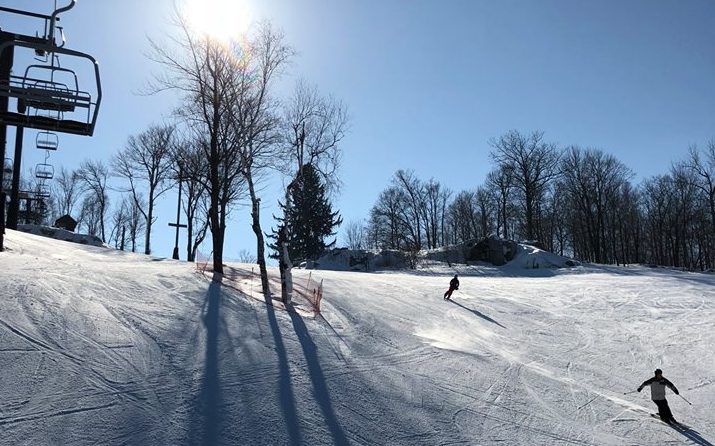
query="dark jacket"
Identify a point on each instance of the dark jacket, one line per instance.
(454, 284)
(657, 387)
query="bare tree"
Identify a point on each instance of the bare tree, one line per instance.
(117, 233)
(463, 220)
(533, 163)
(592, 182)
(673, 212)
(501, 183)
(486, 207)
(67, 190)
(684, 221)
(145, 163)
(246, 256)
(703, 166)
(314, 127)
(387, 225)
(93, 176)
(412, 210)
(433, 211)
(210, 75)
(259, 127)
(190, 165)
(355, 236)
(90, 216)
(135, 219)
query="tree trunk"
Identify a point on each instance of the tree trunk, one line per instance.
(190, 239)
(256, 226)
(217, 239)
(150, 216)
(217, 233)
(101, 216)
(216, 210)
(284, 266)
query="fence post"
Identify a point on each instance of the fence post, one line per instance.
(319, 297)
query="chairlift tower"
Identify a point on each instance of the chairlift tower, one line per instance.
(47, 97)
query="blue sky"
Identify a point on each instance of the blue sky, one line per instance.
(428, 83)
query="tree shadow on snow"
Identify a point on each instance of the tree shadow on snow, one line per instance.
(285, 388)
(210, 399)
(692, 435)
(320, 389)
(476, 312)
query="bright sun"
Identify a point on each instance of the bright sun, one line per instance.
(220, 19)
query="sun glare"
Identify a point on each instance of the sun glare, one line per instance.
(219, 19)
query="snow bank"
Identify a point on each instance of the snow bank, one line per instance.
(62, 234)
(531, 257)
(342, 259)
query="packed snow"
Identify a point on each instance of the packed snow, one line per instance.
(106, 347)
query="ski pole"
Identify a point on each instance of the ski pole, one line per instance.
(628, 393)
(685, 400)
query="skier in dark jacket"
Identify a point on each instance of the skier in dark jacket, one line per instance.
(453, 285)
(657, 393)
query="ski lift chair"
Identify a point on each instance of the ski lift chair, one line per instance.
(45, 93)
(47, 141)
(44, 171)
(43, 191)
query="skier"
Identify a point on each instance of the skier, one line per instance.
(657, 394)
(453, 285)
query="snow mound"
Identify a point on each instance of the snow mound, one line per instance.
(343, 259)
(531, 257)
(62, 234)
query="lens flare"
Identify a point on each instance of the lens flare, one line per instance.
(218, 19)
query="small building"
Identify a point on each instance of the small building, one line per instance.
(66, 222)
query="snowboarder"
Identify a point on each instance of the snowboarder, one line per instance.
(453, 285)
(657, 393)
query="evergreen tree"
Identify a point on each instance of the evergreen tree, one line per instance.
(308, 215)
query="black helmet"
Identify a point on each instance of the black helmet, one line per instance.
(658, 372)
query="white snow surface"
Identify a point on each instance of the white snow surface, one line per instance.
(105, 347)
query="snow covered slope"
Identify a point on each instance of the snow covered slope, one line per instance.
(104, 347)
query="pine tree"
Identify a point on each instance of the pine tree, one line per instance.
(309, 216)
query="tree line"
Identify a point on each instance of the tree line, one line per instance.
(569, 200)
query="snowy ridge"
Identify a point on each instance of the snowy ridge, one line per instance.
(531, 257)
(342, 259)
(104, 347)
(62, 234)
